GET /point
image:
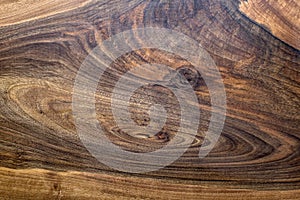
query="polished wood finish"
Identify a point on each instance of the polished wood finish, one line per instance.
(255, 45)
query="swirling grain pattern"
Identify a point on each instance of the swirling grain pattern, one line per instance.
(42, 45)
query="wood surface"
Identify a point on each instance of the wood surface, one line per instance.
(255, 45)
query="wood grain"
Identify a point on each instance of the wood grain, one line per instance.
(281, 18)
(42, 45)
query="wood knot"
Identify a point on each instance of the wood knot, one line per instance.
(189, 75)
(162, 135)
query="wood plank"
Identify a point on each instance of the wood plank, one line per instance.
(42, 46)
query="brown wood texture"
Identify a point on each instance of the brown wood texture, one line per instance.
(255, 45)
